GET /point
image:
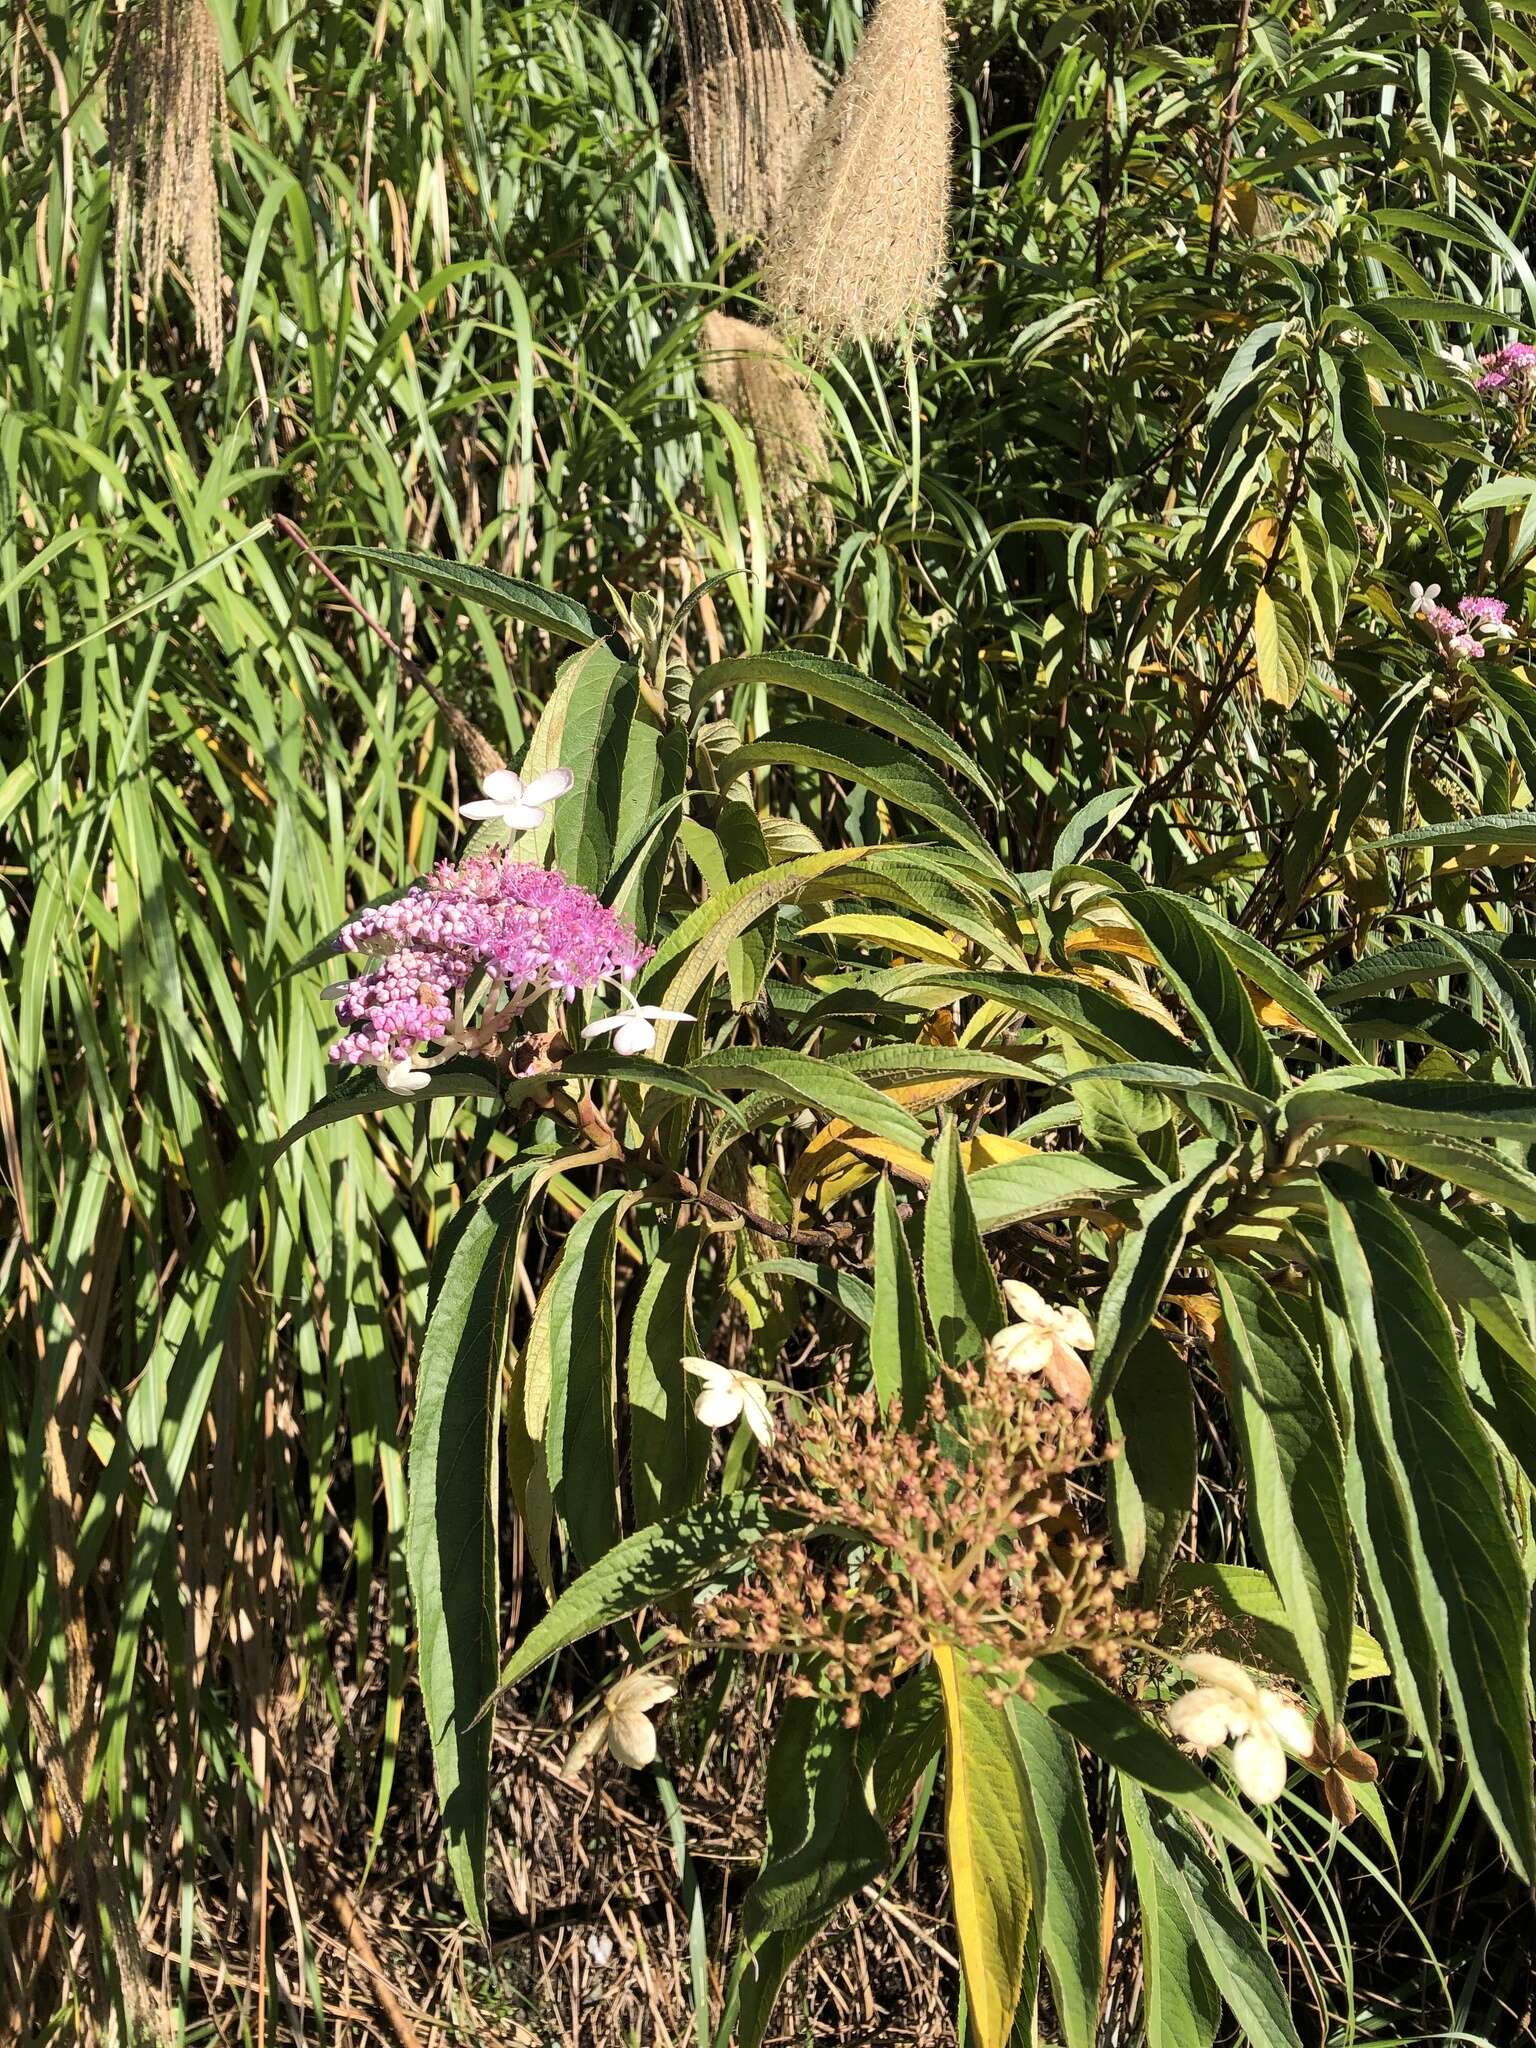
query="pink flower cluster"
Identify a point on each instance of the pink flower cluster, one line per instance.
(528, 930)
(1465, 631)
(1510, 372)
(392, 1008)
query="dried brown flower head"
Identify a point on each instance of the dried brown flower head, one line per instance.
(957, 1530)
(166, 128)
(1335, 1759)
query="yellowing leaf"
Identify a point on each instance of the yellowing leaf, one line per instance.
(1268, 1011)
(986, 1837)
(1262, 536)
(1281, 643)
(902, 935)
(1266, 646)
(987, 1150)
(1107, 933)
(835, 1162)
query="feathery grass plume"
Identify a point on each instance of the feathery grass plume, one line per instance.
(859, 244)
(750, 372)
(753, 95)
(166, 126)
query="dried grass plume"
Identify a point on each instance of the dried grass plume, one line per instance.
(166, 123)
(750, 372)
(753, 94)
(859, 244)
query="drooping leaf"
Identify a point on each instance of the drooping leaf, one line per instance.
(855, 1297)
(1067, 1877)
(986, 1822)
(1049, 1184)
(579, 1437)
(964, 1304)
(899, 1356)
(359, 1093)
(882, 765)
(1183, 2006)
(1137, 1748)
(451, 1527)
(508, 595)
(1091, 1016)
(1245, 1598)
(824, 1842)
(835, 682)
(1209, 987)
(817, 1083)
(594, 745)
(1471, 1582)
(1230, 1945)
(653, 1565)
(1145, 1262)
(1294, 1460)
(697, 950)
(667, 1447)
(1152, 1482)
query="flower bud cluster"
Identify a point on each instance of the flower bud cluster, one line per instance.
(1509, 373)
(527, 931)
(958, 1530)
(1463, 633)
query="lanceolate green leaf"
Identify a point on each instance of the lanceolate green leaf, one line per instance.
(855, 1297)
(986, 1823)
(579, 1439)
(1256, 1628)
(1379, 1512)
(1183, 2006)
(1472, 1261)
(1067, 1880)
(834, 682)
(667, 1447)
(1089, 1015)
(1176, 1081)
(655, 1564)
(594, 745)
(1516, 829)
(525, 602)
(1199, 969)
(1110, 1726)
(1294, 1461)
(1471, 1582)
(823, 1840)
(803, 1078)
(451, 1528)
(1230, 1945)
(1152, 1482)
(362, 1092)
(1278, 981)
(1420, 1109)
(691, 956)
(884, 766)
(1050, 1184)
(964, 1304)
(898, 1345)
(1144, 1265)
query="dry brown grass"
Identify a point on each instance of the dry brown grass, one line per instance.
(589, 1915)
(859, 246)
(753, 95)
(167, 115)
(749, 371)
